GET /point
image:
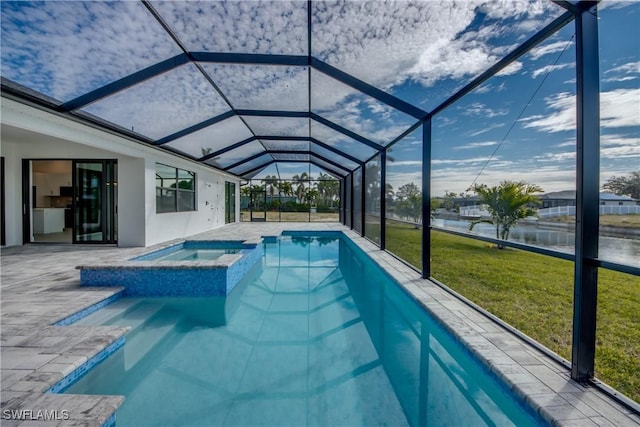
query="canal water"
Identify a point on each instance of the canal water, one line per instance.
(620, 250)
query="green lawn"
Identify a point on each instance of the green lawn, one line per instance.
(534, 293)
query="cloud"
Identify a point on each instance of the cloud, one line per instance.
(473, 160)
(618, 108)
(262, 87)
(397, 180)
(487, 129)
(612, 147)
(282, 126)
(355, 111)
(276, 27)
(480, 109)
(568, 143)
(164, 105)
(213, 137)
(551, 177)
(486, 88)
(624, 72)
(473, 145)
(632, 151)
(387, 43)
(550, 68)
(557, 157)
(512, 68)
(65, 49)
(405, 163)
(628, 68)
(617, 139)
(547, 49)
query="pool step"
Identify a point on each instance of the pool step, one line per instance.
(147, 335)
(136, 315)
(111, 314)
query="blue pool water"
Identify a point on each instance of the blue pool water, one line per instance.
(195, 254)
(194, 251)
(317, 336)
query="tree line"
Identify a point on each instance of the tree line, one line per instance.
(322, 192)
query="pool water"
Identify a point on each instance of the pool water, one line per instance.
(195, 250)
(196, 254)
(318, 336)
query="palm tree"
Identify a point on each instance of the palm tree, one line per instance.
(507, 203)
(286, 188)
(311, 196)
(301, 180)
(271, 183)
(328, 189)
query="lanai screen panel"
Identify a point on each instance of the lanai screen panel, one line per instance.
(266, 27)
(356, 111)
(290, 157)
(297, 173)
(251, 164)
(422, 51)
(262, 87)
(213, 138)
(278, 126)
(284, 145)
(162, 105)
(230, 157)
(340, 141)
(334, 157)
(328, 167)
(357, 200)
(109, 40)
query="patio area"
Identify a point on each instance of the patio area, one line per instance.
(40, 286)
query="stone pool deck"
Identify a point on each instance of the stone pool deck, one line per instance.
(40, 286)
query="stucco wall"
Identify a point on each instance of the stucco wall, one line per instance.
(28, 133)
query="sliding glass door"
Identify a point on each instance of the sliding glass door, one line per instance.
(94, 202)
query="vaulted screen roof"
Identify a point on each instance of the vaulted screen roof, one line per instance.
(241, 85)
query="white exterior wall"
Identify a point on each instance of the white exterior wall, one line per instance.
(209, 212)
(29, 133)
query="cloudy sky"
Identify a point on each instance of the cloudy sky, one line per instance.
(518, 125)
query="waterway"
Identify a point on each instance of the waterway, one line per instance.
(620, 250)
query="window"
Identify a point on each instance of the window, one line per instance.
(175, 189)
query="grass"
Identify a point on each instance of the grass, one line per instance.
(534, 293)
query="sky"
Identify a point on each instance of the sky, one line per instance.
(520, 124)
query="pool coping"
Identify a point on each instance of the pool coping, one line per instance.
(543, 382)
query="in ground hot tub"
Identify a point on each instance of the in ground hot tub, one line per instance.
(190, 268)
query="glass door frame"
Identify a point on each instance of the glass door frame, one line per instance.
(108, 201)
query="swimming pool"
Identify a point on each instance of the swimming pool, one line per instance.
(319, 335)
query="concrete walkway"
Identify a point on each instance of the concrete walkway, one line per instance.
(40, 286)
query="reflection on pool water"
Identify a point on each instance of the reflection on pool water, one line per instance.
(319, 335)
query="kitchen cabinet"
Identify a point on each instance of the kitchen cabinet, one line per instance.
(48, 220)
